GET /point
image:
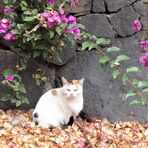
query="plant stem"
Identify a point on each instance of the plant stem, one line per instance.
(85, 134)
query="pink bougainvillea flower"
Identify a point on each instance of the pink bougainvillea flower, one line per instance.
(9, 36)
(8, 10)
(144, 45)
(144, 60)
(71, 19)
(52, 2)
(8, 79)
(64, 19)
(136, 26)
(5, 25)
(80, 144)
(74, 3)
(103, 138)
(76, 30)
(52, 18)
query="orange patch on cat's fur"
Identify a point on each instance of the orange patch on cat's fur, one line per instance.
(75, 82)
(54, 92)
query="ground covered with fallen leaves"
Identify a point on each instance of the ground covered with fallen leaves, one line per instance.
(18, 131)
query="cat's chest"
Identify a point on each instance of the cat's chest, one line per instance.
(76, 105)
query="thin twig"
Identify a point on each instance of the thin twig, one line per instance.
(34, 29)
(84, 133)
(63, 3)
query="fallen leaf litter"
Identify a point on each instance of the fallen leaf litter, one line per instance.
(18, 131)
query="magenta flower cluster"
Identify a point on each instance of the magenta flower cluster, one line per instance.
(74, 3)
(144, 45)
(55, 18)
(52, 2)
(6, 26)
(144, 60)
(8, 10)
(52, 18)
(9, 36)
(136, 26)
(8, 79)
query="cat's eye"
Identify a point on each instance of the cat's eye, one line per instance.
(75, 90)
(68, 89)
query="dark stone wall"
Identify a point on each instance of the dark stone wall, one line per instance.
(103, 96)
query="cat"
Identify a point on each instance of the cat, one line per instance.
(60, 106)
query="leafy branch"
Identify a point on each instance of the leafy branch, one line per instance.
(105, 59)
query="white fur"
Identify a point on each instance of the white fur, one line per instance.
(56, 110)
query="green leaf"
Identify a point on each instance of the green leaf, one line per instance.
(51, 34)
(45, 54)
(29, 18)
(130, 94)
(135, 82)
(145, 90)
(104, 59)
(133, 69)
(8, 72)
(146, 3)
(81, 26)
(76, 25)
(22, 88)
(85, 45)
(124, 79)
(36, 53)
(115, 73)
(138, 102)
(121, 58)
(143, 84)
(113, 49)
(18, 103)
(92, 45)
(103, 42)
(23, 5)
(4, 98)
(20, 26)
(59, 30)
(6, 1)
(34, 11)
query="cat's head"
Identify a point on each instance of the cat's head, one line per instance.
(72, 88)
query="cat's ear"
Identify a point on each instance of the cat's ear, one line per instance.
(81, 81)
(64, 81)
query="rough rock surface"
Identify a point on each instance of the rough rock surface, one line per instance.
(103, 97)
(1, 7)
(122, 21)
(97, 24)
(115, 5)
(98, 6)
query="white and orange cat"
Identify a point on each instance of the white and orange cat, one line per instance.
(57, 106)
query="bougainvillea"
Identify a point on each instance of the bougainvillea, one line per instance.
(144, 60)
(136, 26)
(144, 45)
